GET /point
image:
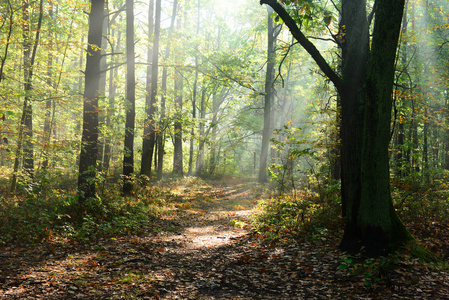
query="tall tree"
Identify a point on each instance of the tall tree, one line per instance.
(26, 121)
(269, 79)
(128, 159)
(49, 101)
(162, 123)
(150, 106)
(89, 139)
(365, 88)
(194, 94)
(177, 127)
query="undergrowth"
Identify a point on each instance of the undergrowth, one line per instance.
(300, 214)
(36, 217)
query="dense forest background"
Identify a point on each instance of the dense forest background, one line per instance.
(207, 89)
(217, 54)
(304, 139)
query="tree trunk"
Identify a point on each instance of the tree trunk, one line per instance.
(177, 127)
(195, 88)
(269, 77)
(373, 219)
(365, 89)
(102, 92)
(162, 123)
(113, 73)
(150, 102)
(128, 159)
(49, 101)
(89, 149)
(26, 121)
(202, 137)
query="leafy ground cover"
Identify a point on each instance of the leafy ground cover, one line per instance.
(207, 246)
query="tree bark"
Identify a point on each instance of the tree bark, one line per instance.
(365, 89)
(177, 127)
(269, 78)
(128, 159)
(150, 106)
(162, 123)
(89, 148)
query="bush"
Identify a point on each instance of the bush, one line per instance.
(58, 214)
(310, 214)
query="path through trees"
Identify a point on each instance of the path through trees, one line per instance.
(205, 249)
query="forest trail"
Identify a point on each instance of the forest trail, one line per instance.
(204, 249)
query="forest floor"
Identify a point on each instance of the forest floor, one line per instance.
(205, 249)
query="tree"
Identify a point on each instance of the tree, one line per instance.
(365, 87)
(26, 121)
(177, 126)
(89, 140)
(162, 123)
(128, 159)
(150, 103)
(269, 91)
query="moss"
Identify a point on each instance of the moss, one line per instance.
(417, 250)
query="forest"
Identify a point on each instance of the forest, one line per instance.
(206, 149)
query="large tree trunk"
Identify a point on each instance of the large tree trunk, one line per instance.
(373, 220)
(365, 89)
(89, 148)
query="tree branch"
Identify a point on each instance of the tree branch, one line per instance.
(305, 43)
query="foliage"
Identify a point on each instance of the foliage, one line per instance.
(288, 149)
(304, 214)
(57, 214)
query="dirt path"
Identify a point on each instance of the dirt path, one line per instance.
(204, 251)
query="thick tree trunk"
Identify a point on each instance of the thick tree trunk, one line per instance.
(366, 94)
(89, 148)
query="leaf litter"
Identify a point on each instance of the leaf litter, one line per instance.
(207, 250)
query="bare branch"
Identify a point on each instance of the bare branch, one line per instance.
(305, 43)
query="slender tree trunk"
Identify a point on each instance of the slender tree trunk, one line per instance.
(195, 88)
(26, 121)
(177, 152)
(400, 145)
(150, 106)
(202, 137)
(113, 74)
(269, 77)
(102, 91)
(162, 124)
(128, 159)
(89, 148)
(49, 101)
